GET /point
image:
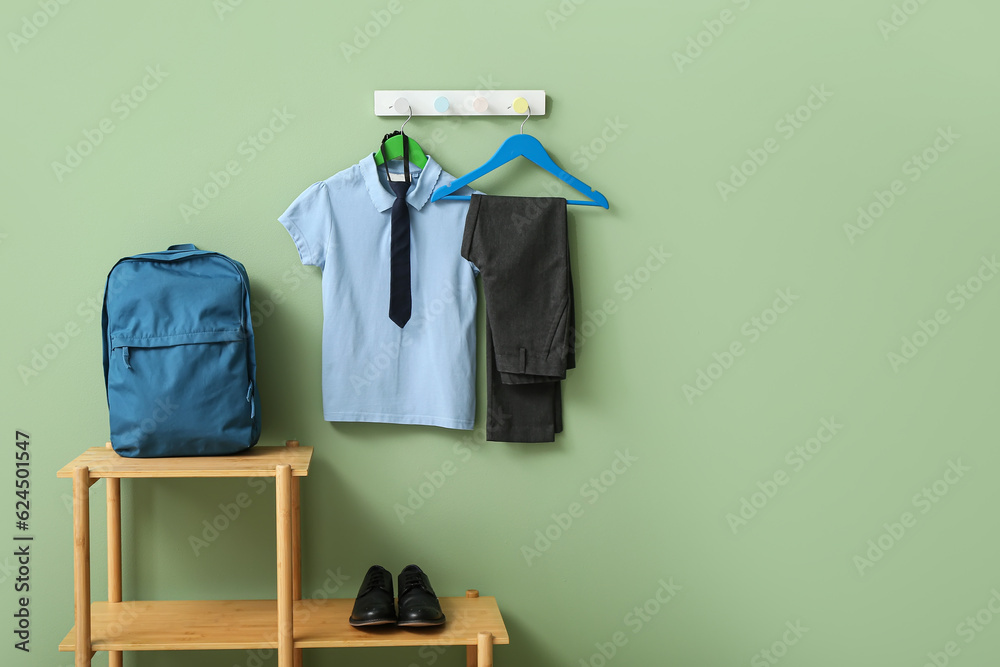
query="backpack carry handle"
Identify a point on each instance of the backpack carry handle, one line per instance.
(183, 246)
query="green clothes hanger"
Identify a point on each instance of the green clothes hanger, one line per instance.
(394, 144)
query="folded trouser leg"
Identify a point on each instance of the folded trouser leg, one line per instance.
(521, 412)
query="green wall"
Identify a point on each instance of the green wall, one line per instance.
(794, 387)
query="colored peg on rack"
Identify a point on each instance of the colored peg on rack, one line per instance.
(520, 105)
(402, 105)
(480, 104)
(441, 104)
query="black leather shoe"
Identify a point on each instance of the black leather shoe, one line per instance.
(418, 605)
(374, 604)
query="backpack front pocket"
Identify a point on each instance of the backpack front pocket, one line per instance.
(180, 395)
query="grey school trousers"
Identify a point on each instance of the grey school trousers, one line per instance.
(521, 248)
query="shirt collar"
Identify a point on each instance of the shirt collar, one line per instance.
(418, 195)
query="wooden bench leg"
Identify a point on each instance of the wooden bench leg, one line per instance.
(114, 552)
(283, 484)
(81, 564)
(296, 547)
(485, 653)
(471, 652)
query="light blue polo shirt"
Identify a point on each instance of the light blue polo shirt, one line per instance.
(373, 371)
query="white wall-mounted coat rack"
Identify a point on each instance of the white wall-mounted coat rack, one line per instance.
(458, 102)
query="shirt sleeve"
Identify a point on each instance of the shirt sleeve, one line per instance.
(309, 221)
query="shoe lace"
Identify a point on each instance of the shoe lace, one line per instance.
(411, 579)
(373, 581)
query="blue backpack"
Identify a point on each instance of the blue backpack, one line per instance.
(179, 365)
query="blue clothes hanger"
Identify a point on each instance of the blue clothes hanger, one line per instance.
(522, 145)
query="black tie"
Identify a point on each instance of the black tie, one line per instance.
(399, 258)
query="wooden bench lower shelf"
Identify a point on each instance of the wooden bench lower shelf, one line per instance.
(251, 624)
